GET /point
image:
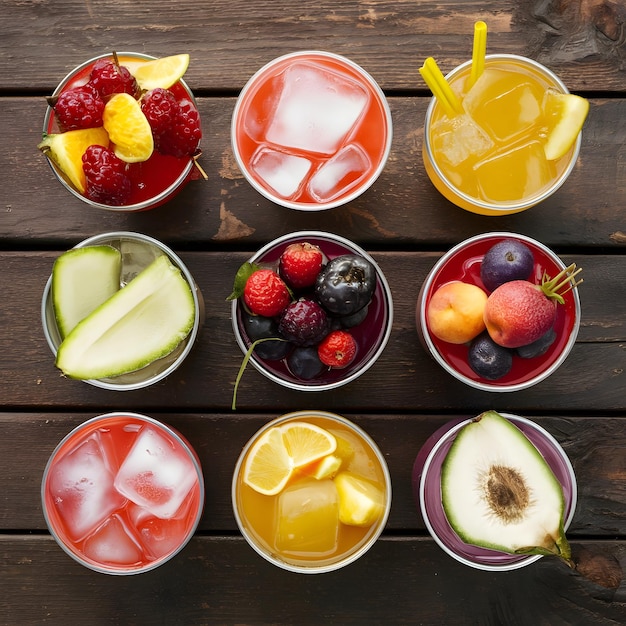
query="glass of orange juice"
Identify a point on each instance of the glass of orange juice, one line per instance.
(311, 492)
(491, 158)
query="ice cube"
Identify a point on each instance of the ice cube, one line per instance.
(81, 485)
(136, 256)
(308, 519)
(504, 104)
(458, 139)
(156, 474)
(283, 172)
(514, 174)
(339, 173)
(316, 109)
(111, 543)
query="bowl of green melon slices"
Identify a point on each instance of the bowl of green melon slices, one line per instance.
(120, 311)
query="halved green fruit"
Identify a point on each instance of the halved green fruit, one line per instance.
(139, 324)
(498, 491)
(82, 280)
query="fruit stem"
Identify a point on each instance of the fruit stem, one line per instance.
(551, 287)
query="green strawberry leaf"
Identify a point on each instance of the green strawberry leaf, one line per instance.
(241, 277)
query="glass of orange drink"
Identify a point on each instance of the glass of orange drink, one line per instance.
(513, 144)
(311, 492)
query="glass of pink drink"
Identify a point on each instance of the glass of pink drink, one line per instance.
(122, 493)
(311, 130)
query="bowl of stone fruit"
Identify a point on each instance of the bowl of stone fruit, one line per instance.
(500, 311)
(122, 131)
(311, 310)
(120, 311)
(496, 491)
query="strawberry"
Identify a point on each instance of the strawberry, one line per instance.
(337, 349)
(265, 293)
(300, 263)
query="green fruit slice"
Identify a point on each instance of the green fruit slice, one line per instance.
(498, 491)
(82, 280)
(141, 323)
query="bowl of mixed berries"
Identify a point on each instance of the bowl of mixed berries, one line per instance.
(122, 131)
(311, 310)
(500, 311)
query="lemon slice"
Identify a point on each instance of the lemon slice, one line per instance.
(128, 128)
(161, 73)
(566, 114)
(361, 502)
(66, 151)
(268, 465)
(306, 442)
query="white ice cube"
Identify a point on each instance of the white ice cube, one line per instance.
(284, 173)
(111, 543)
(458, 139)
(81, 485)
(339, 173)
(316, 109)
(156, 474)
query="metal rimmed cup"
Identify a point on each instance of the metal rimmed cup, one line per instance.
(257, 520)
(168, 175)
(122, 493)
(427, 493)
(138, 251)
(447, 186)
(371, 335)
(311, 130)
(462, 262)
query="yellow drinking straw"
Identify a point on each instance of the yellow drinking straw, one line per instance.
(479, 50)
(441, 89)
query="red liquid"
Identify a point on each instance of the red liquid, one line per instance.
(465, 266)
(155, 176)
(370, 134)
(100, 525)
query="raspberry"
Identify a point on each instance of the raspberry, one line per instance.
(337, 349)
(182, 137)
(107, 181)
(300, 263)
(160, 108)
(265, 293)
(78, 108)
(304, 323)
(108, 78)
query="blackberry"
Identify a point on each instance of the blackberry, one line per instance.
(161, 109)
(78, 108)
(108, 78)
(107, 180)
(304, 323)
(182, 138)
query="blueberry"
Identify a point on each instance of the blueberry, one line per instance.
(259, 327)
(539, 347)
(346, 284)
(505, 261)
(304, 322)
(305, 363)
(488, 359)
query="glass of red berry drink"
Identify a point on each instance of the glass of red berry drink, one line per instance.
(463, 263)
(311, 130)
(122, 493)
(78, 103)
(306, 326)
(426, 479)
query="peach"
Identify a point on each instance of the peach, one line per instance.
(455, 312)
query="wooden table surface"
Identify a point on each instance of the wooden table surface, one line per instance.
(402, 221)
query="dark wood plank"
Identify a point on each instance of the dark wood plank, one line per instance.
(401, 210)
(220, 580)
(595, 447)
(229, 40)
(404, 379)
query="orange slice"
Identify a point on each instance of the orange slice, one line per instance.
(161, 73)
(566, 115)
(306, 442)
(128, 128)
(66, 151)
(268, 465)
